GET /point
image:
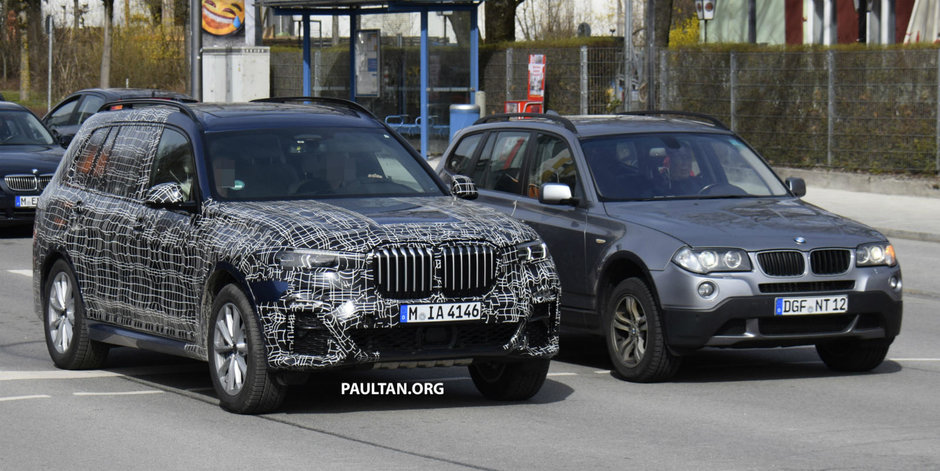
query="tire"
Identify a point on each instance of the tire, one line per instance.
(509, 380)
(633, 331)
(854, 355)
(238, 362)
(66, 329)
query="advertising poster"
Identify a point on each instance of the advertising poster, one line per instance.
(367, 63)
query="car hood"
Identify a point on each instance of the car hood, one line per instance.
(750, 224)
(23, 159)
(361, 224)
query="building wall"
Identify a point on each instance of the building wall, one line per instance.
(730, 23)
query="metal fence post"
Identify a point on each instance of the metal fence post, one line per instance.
(584, 80)
(830, 64)
(316, 73)
(508, 74)
(733, 83)
(937, 162)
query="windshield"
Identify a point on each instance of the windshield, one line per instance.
(22, 128)
(676, 165)
(299, 163)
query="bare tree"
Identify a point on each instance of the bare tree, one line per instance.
(547, 19)
(105, 80)
(500, 20)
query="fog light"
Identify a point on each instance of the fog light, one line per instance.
(895, 283)
(706, 289)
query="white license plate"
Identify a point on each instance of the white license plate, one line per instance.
(446, 312)
(27, 201)
(811, 305)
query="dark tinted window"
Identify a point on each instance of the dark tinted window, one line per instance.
(459, 162)
(304, 162)
(88, 107)
(173, 162)
(63, 115)
(500, 164)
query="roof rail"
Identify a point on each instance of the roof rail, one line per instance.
(132, 102)
(319, 100)
(543, 116)
(688, 114)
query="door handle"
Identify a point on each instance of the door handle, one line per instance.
(78, 208)
(139, 224)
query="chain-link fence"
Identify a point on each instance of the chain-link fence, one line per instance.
(873, 111)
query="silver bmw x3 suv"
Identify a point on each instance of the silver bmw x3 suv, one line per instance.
(671, 234)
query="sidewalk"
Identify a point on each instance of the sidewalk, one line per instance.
(900, 216)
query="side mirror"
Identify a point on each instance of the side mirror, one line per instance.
(556, 193)
(797, 186)
(165, 195)
(63, 139)
(463, 187)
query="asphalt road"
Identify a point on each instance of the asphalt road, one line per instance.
(726, 409)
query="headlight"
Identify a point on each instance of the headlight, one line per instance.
(712, 260)
(306, 258)
(531, 251)
(878, 253)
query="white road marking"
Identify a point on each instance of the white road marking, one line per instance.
(89, 374)
(124, 393)
(28, 273)
(914, 359)
(20, 398)
(602, 372)
(563, 374)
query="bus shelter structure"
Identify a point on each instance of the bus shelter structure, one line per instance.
(355, 8)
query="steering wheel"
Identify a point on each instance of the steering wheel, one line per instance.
(729, 189)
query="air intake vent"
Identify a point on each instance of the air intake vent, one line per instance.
(830, 261)
(782, 263)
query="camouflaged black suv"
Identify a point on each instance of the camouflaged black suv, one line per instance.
(272, 239)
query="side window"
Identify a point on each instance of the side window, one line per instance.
(459, 162)
(500, 165)
(174, 163)
(88, 107)
(63, 115)
(127, 158)
(552, 163)
(82, 167)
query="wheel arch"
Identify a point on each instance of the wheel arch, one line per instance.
(222, 275)
(619, 267)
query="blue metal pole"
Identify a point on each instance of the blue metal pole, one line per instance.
(474, 55)
(424, 82)
(306, 46)
(352, 56)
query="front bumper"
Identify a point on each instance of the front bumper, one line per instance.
(10, 215)
(750, 322)
(339, 321)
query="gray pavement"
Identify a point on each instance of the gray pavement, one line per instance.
(896, 216)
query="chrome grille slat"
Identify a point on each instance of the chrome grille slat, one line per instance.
(21, 182)
(409, 271)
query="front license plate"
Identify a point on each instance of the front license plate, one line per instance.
(811, 305)
(423, 313)
(27, 201)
